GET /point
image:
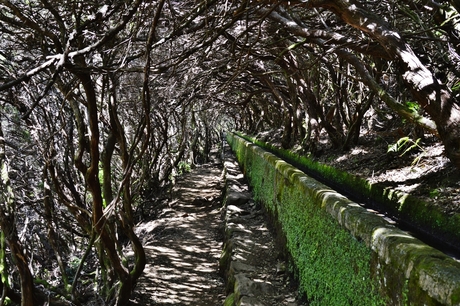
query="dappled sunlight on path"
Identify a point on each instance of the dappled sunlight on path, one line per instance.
(184, 244)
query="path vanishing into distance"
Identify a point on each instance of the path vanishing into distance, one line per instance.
(183, 244)
(184, 239)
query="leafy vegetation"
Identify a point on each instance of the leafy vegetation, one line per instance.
(420, 215)
(406, 145)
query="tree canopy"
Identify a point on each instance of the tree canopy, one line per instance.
(103, 103)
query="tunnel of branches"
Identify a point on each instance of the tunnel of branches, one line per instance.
(103, 103)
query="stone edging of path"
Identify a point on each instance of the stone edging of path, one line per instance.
(250, 263)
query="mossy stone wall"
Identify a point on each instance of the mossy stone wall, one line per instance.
(341, 253)
(428, 220)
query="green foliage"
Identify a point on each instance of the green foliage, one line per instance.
(101, 181)
(434, 193)
(413, 210)
(402, 144)
(184, 167)
(456, 87)
(405, 293)
(72, 266)
(43, 282)
(26, 135)
(326, 258)
(230, 300)
(3, 269)
(413, 106)
(406, 145)
(456, 297)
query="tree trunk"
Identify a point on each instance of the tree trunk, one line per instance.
(7, 225)
(99, 219)
(433, 96)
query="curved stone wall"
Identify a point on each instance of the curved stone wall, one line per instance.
(342, 253)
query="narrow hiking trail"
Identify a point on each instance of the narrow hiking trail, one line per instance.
(184, 243)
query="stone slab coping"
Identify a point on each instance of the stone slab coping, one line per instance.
(432, 271)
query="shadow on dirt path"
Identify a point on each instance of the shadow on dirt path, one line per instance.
(184, 243)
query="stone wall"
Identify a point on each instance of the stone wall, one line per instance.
(250, 261)
(342, 253)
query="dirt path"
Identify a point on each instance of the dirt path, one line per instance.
(184, 243)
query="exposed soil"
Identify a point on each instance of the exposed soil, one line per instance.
(183, 244)
(423, 171)
(417, 168)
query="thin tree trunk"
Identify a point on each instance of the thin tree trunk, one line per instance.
(99, 220)
(7, 224)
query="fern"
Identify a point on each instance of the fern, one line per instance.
(405, 145)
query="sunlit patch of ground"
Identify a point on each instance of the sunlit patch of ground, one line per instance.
(423, 172)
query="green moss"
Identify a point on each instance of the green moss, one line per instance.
(456, 297)
(419, 214)
(230, 300)
(318, 227)
(333, 268)
(225, 256)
